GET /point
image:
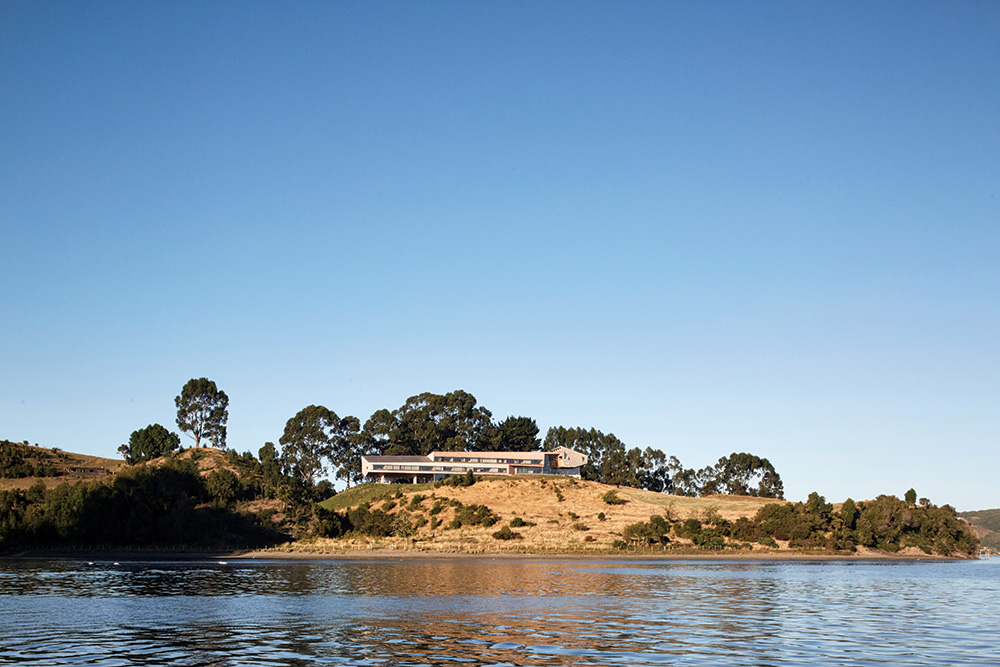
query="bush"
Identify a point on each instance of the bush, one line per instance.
(518, 522)
(612, 498)
(601, 517)
(468, 479)
(689, 530)
(767, 542)
(580, 527)
(653, 531)
(506, 533)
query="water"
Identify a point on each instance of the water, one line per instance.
(498, 612)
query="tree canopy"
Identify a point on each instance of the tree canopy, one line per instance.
(314, 436)
(202, 412)
(432, 422)
(148, 443)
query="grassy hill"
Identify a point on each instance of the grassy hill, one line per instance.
(986, 523)
(551, 514)
(22, 465)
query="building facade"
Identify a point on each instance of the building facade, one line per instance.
(438, 465)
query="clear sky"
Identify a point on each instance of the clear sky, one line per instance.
(704, 227)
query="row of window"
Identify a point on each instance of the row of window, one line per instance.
(465, 459)
(451, 469)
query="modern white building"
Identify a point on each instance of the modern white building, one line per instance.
(438, 465)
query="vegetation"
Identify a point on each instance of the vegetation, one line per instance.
(314, 435)
(987, 525)
(18, 460)
(201, 496)
(144, 505)
(886, 524)
(202, 412)
(612, 498)
(149, 443)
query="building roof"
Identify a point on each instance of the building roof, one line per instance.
(398, 459)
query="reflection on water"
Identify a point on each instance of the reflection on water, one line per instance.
(484, 612)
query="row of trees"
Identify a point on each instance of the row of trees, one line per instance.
(610, 462)
(316, 440)
(886, 523)
(170, 504)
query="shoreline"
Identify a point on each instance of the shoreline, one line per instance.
(401, 555)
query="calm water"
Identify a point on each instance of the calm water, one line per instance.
(483, 612)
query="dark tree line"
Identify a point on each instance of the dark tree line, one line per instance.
(142, 506)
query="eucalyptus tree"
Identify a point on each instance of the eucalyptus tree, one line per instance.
(202, 412)
(743, 474)
(314, 437)
(431, 422)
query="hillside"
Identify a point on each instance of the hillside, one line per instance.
(22, 465)
(208, 496)
(986, 523)
(558, 514)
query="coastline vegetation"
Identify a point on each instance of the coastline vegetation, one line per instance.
(212, 497)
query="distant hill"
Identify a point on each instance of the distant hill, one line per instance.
(986, 523)
(22, 465)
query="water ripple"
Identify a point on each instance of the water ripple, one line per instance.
(498, 613)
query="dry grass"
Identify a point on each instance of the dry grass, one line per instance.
(558, 523)
(111, 466)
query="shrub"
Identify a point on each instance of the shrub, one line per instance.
(580, 526)
(767, 542)
(612, 498)
(468, 479)
(690, 529)
(601, 517)
(518, 522)
(506, 533)
(653, 531)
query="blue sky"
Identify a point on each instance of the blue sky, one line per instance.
(705, 227)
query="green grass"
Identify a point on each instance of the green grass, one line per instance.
(369, 493)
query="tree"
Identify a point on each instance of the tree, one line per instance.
(348, 446)
(270, 468)
(911, 497)
(849, 514)
(202, 412)
(655, 474)
(313, 436)
(148, 443)
(432, 422)
(743, 475)
(606, 456)
(514, 434)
